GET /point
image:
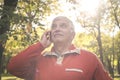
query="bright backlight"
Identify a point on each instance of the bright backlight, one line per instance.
(89, 6)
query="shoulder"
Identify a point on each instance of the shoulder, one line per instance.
(88, 54)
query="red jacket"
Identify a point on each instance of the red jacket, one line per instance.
(74, 64)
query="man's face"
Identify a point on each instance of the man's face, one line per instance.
(61, 31)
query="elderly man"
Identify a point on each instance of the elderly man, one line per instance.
(63, 62)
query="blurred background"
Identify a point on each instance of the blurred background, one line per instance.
(97, 26)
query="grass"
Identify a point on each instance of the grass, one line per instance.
(10, 78)
(116, 78)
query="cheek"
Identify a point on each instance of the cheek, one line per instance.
(51, 35)
(68, 35)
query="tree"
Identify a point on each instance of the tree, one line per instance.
(117, 50)
(114, 9)
(19, 16)
(96, 24)
(6, 14)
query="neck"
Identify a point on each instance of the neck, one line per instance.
(61, 48)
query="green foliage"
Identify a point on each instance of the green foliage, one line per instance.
(113, 8)
(86, 41)
(33, 11)
(117, 43)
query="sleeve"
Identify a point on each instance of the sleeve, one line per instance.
(23, 64)
(100, 72)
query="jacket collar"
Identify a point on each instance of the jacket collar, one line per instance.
(72, 50)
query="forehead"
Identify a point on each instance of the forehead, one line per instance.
(61, 19)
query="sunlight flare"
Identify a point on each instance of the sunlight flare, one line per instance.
(89, 6)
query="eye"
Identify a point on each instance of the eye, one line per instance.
(54, 26)
(63, 25)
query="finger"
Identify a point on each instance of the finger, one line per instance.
(45, 34)
(48, 35)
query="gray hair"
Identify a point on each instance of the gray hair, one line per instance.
(67, 19)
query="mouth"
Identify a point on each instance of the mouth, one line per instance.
(57, 35)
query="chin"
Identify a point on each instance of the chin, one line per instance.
(57, 40)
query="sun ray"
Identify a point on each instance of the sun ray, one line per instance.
(89, 6)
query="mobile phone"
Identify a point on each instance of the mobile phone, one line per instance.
(49, 36)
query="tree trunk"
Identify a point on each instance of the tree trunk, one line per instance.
(100, 43)
(111, 69)
(118, 66)
(7, 12)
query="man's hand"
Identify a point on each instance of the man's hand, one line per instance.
(45, 39)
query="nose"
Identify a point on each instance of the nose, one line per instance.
(57, 28)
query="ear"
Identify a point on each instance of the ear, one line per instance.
(73, 33)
